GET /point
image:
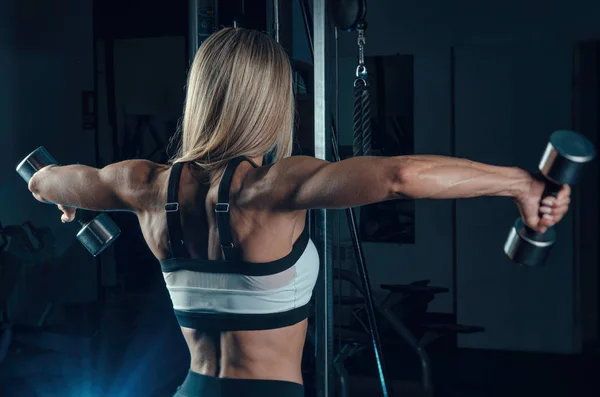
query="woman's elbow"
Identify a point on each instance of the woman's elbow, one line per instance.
(36, 185)
(402, 178)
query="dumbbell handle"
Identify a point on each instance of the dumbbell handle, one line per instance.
(565, 155)
(550, 190)
(84, 216)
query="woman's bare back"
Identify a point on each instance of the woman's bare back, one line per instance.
(264, 236)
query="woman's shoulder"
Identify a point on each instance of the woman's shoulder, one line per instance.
(141, 172)
(269, 186)
(144, 180)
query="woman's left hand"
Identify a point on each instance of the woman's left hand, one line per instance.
(68, 213)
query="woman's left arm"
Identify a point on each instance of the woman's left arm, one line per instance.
(117, 187)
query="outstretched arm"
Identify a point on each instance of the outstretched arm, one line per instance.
(116, 187)
(305, 182)
(300, 183)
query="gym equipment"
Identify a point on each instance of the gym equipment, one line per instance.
(562, 163)
(97, 231)
(323, 340)
(404, 321)
(349, 14)
(361, 122)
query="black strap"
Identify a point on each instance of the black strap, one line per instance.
(240, 266)
(174, 229)
(222, 209)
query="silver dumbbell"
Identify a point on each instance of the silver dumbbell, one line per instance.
(563, 161)
(98, 231)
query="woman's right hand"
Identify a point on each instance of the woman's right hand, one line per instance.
(540, 213)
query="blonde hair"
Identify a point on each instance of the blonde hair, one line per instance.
(239, 101)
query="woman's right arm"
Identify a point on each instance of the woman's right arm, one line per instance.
(301, 182)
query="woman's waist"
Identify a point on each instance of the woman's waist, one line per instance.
(285, 369)
(267, 354)
(197, 384)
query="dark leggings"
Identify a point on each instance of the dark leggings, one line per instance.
(197, 385)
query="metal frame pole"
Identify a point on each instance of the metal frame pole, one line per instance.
(276, 19)
(322, 34)
(193, 28)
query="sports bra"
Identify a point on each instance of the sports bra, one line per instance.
(232, 294)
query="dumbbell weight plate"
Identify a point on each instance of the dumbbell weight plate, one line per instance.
(98, 234)
(526, 251)
(34, 162)
(566, 154)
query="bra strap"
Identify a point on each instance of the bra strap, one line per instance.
(174, 229)
(222, 209)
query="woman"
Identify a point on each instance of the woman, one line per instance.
(230, 231)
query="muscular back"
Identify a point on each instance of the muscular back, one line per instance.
(263, 235)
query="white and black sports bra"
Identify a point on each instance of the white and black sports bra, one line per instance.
(232, 294)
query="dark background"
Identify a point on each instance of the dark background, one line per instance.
(490, 82)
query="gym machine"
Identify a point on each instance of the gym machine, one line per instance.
(325, 143)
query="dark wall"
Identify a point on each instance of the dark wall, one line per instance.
(45, 64)
(509, 98)
(586, 117)
(137, 18)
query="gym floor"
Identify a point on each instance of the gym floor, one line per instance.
(133, 348)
